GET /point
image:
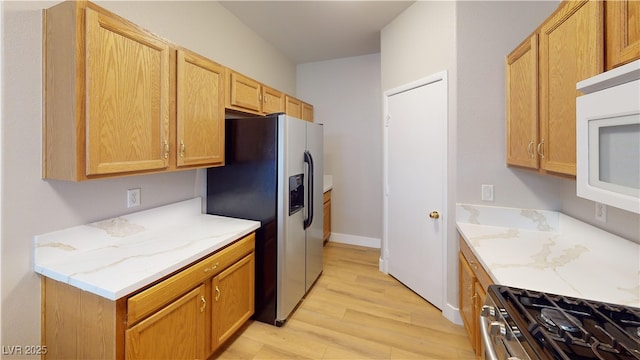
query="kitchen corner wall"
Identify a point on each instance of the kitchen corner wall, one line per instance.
(420, 42)
(32, 206)
(346, 98)
(470, 39)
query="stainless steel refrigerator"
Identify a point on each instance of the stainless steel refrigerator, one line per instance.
(273, 173)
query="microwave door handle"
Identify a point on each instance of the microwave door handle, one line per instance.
(309, 160)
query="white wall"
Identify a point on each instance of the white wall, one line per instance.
(30, 205)
(209, 29)
(620, 222)
(470, 40)
(346, 95)
(420, 42)
(487, 33)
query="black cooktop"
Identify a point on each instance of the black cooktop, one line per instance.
(573, 329)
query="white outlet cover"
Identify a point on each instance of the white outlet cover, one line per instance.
(487, 192)
(601, 212)
(133, 197)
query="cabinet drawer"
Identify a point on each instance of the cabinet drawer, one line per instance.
(480, 273)
(141, 305)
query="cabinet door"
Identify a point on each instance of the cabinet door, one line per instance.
(127, 102)
(326, 225)
(272, 100)
(571, 43)
(307, 112)
(293, 107)
(479, 297)
(623, 32)
(233, 299)
(522, 104)
(244, 93)
(200, 110)
(174, 332)
(467, 305)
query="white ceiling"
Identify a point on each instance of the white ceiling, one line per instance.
(308, 31)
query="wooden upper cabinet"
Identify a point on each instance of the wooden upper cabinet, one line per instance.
(244, 94)
(272, 100)
(247, 95)
(622, 31)
(522, 104)
(307, 112)
(200, 110)
(571, 50)
(127, 82)
(293, 107)
(106, 91)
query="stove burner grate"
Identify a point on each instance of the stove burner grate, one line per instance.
(574, 329)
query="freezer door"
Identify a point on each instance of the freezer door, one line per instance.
(291, 233)
(314, 234)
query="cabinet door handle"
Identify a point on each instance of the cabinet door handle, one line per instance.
(541, 149)
(530, 151)
(217, 293)
(182, 148)
(204, 303)
(166, 149)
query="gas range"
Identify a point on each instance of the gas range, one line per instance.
(524, 324)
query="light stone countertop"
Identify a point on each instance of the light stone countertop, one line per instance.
(327, 183)
(550, 252)
(115, 257)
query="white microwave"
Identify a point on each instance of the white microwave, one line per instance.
(608, 138)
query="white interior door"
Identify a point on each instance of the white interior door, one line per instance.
(415, 186)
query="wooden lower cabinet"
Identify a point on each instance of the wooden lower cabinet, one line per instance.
(474, 282)
(175, 332)
(188, 315)
(467, 307)
(326, 225)
(233, 300)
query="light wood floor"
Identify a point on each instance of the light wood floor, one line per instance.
(354, 312)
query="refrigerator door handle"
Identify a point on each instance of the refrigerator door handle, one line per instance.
(309, 160)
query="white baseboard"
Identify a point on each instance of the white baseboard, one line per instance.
(452, 314)
(355, 240)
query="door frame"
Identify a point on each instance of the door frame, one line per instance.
(383, 264)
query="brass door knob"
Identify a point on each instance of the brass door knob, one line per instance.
(434, 215)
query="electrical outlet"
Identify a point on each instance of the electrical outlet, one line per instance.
(601, 212)
(133, 197)
(487, 192)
